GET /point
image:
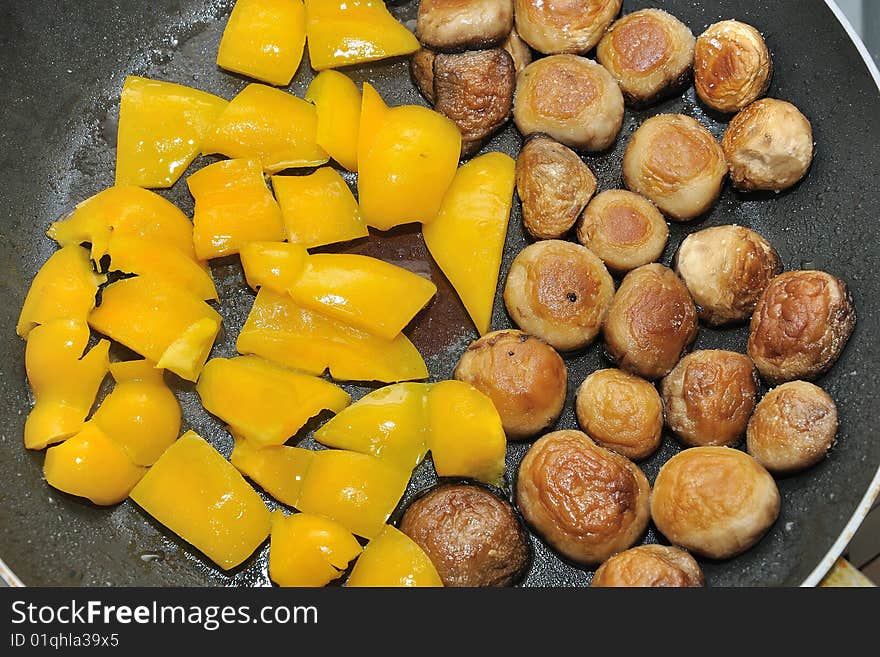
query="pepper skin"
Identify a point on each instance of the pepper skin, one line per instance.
(393, 559)
(277, 469)
(338, 104)
(275, 266)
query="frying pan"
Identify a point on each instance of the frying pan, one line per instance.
(62, 65)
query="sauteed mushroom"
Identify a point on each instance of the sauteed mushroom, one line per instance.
(564, 26)
(456, 25)
(421, 68)
(650, 566)
(518, 49)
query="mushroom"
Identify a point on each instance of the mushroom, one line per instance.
(457, 25)
(421, 68)
(518, 49)
(564, 26)
(650, 566)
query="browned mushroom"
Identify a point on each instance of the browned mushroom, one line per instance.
(518, 49)
(650, 566)
(421, 68)
(564, 26)
(456, 25)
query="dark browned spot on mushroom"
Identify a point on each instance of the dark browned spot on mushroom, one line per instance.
(641, 43)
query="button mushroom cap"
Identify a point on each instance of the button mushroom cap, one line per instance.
(456, 25)
(585, 501)
(650, 566)
(518, 49)
(792, 428)
(768, 146)
(715, 501)
(726, 269)
(421, 68)
(800, 325)
(570, 98)
(677, 163)
(732, 66)
(564, 26)
(649, 52)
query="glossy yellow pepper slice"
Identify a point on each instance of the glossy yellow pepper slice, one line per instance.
(141, 414)
(277, 469)
(273, 265)
(389, 423)
(393, 559)
(280, 330)
(233, 207)
(373, 114)
(64, 288)
(199, 496)
(465, 435)
(345, 32)
(93, 466)
(467, 237)
(262, 401)
(161, 129)
(268, 125)
(307, 550)
(318, 209)
(163, 323)
(264, 39)
(358, 491)
(64, 381)
(338, 104)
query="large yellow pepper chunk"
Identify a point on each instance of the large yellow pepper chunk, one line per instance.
(393, 559)
(338, 103)
(307, 550)
(358, 491)
(141, 414)
(345, 32)
(264, 402)
(373, 114)
(92, 465)
(64, 381)
(277, 469)
(284, 332)
(233, 207)
(275, 266)
(264, 39)
(199, 496)
(65, 287)
(318, 209)
(467, 237)
(161, 129)
(389, 423)
(163, 323)
(268, 125)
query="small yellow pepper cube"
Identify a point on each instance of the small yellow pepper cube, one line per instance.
(268, 125)
(307, 550)
(345, 32)
(262, 401)
(264, 39)
(199, 496)
(467, 237)
(318, 209)
(338, 103)
(277, 469)
(393, 559)
(233, 207)
(161, 129)
(358, 491)
(272, 265)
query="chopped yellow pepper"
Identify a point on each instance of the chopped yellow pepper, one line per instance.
(318, 209)
(373, 114)
(345, 32)
(272, 265)
(161, 129)
(277, 469)
(264, 402)
(233, 207)
(338, 103)
(281, 331)
(467, 237)
(199, 496)
(307, 550)
(268, 125)
(393, 559)
(65, 382)
(264, 39)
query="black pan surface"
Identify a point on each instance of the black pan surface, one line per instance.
(61, 70)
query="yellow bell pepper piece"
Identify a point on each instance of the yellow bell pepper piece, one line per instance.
(264, 39)
(358, 491)
(338, 104)
(365, 292)
(64, 381)
(373, 115)
(199, 496)
(268, 125)
(233, 207)
(467, 237)
(465, 435)
(272, 265)
(161, 129)
(318, 209)
(163, 323)
(279, 330)
(262, 401)
(389, 423)
(345, 32)
(91, 465)
(277, 469)
(307, 550)
(393, 559)
(141, 414)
